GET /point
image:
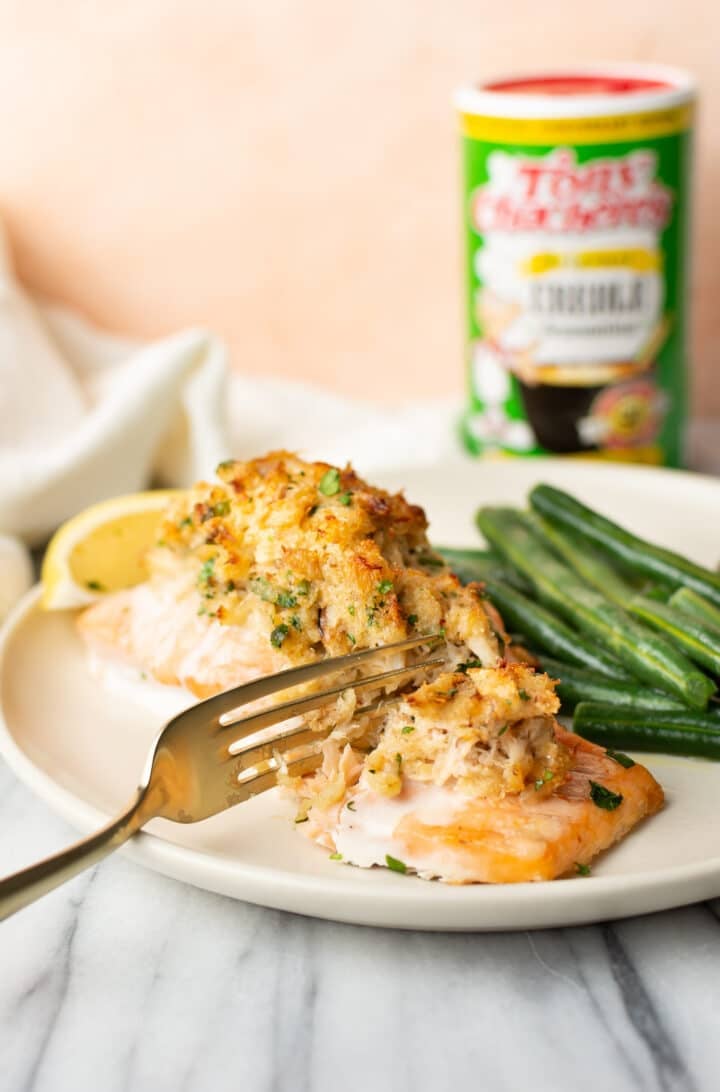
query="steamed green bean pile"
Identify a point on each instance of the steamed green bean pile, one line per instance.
(631, 630)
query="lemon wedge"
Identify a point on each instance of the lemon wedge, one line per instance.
(102, 549)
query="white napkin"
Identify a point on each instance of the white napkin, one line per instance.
(85, 415)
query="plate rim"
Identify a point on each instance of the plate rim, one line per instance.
(444, 907)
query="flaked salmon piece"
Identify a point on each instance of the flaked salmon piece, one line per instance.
(439, 833)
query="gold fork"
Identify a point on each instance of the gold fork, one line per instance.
(197, 767)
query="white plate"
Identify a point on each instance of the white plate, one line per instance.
(82, 753)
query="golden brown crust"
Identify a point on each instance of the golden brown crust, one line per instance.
(336, 563)
(486, 731)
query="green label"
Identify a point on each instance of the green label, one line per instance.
(576, 260)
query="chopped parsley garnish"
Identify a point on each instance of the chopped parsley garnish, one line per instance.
(351, 638)
(206, 574)
(281, 597)
(398, 759)
(303, 587)
(263, 588)
(468, 665)
(542, 781)
(407, 729)
(385, 586)
(221, 508)
(329, 484)
(622, 759)
(524, 696)
(336, 856)
(295, 622)
(346, 498)
(225, 464)
(286, 599)
(394, 864)
(186, 522)
(412, 619)
(278, 635)
(351, 609)
(582, 869)
(94, 585)
(351, 805)
(503, 730)
(604, 798)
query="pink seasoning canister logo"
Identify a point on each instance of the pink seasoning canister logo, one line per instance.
(571, 270)
(554, 193)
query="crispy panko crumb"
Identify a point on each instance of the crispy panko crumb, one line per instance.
(489, 731)
(320, 561)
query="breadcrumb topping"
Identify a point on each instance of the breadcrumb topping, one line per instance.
(312, 561)
(323, 562)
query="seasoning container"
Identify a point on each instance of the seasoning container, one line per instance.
(576, 212)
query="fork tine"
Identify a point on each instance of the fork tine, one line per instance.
(266, 775)
(267, 717)
(252, 754)
(288, 741)
(220, 704)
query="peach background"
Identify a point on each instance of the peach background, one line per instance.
(286, 172)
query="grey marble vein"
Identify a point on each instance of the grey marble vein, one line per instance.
(669, 1069)
(125, 980)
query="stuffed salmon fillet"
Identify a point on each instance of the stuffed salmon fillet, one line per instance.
(464, 773)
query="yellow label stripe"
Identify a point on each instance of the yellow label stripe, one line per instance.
(589, 130)
(637, 259)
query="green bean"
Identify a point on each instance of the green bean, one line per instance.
(629, 549)
(542, 628)
(644, 652)
(584, 560)
(482, 565)
(693, 605)
(577, 685)
(671, 732)
(700, 642)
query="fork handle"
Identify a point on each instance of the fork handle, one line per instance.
(24, 887)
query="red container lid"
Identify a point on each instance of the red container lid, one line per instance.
(567, 84)
(577, 92)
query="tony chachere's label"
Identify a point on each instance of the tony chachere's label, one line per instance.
(576, 258)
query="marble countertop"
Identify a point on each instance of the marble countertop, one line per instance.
(126, 980)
